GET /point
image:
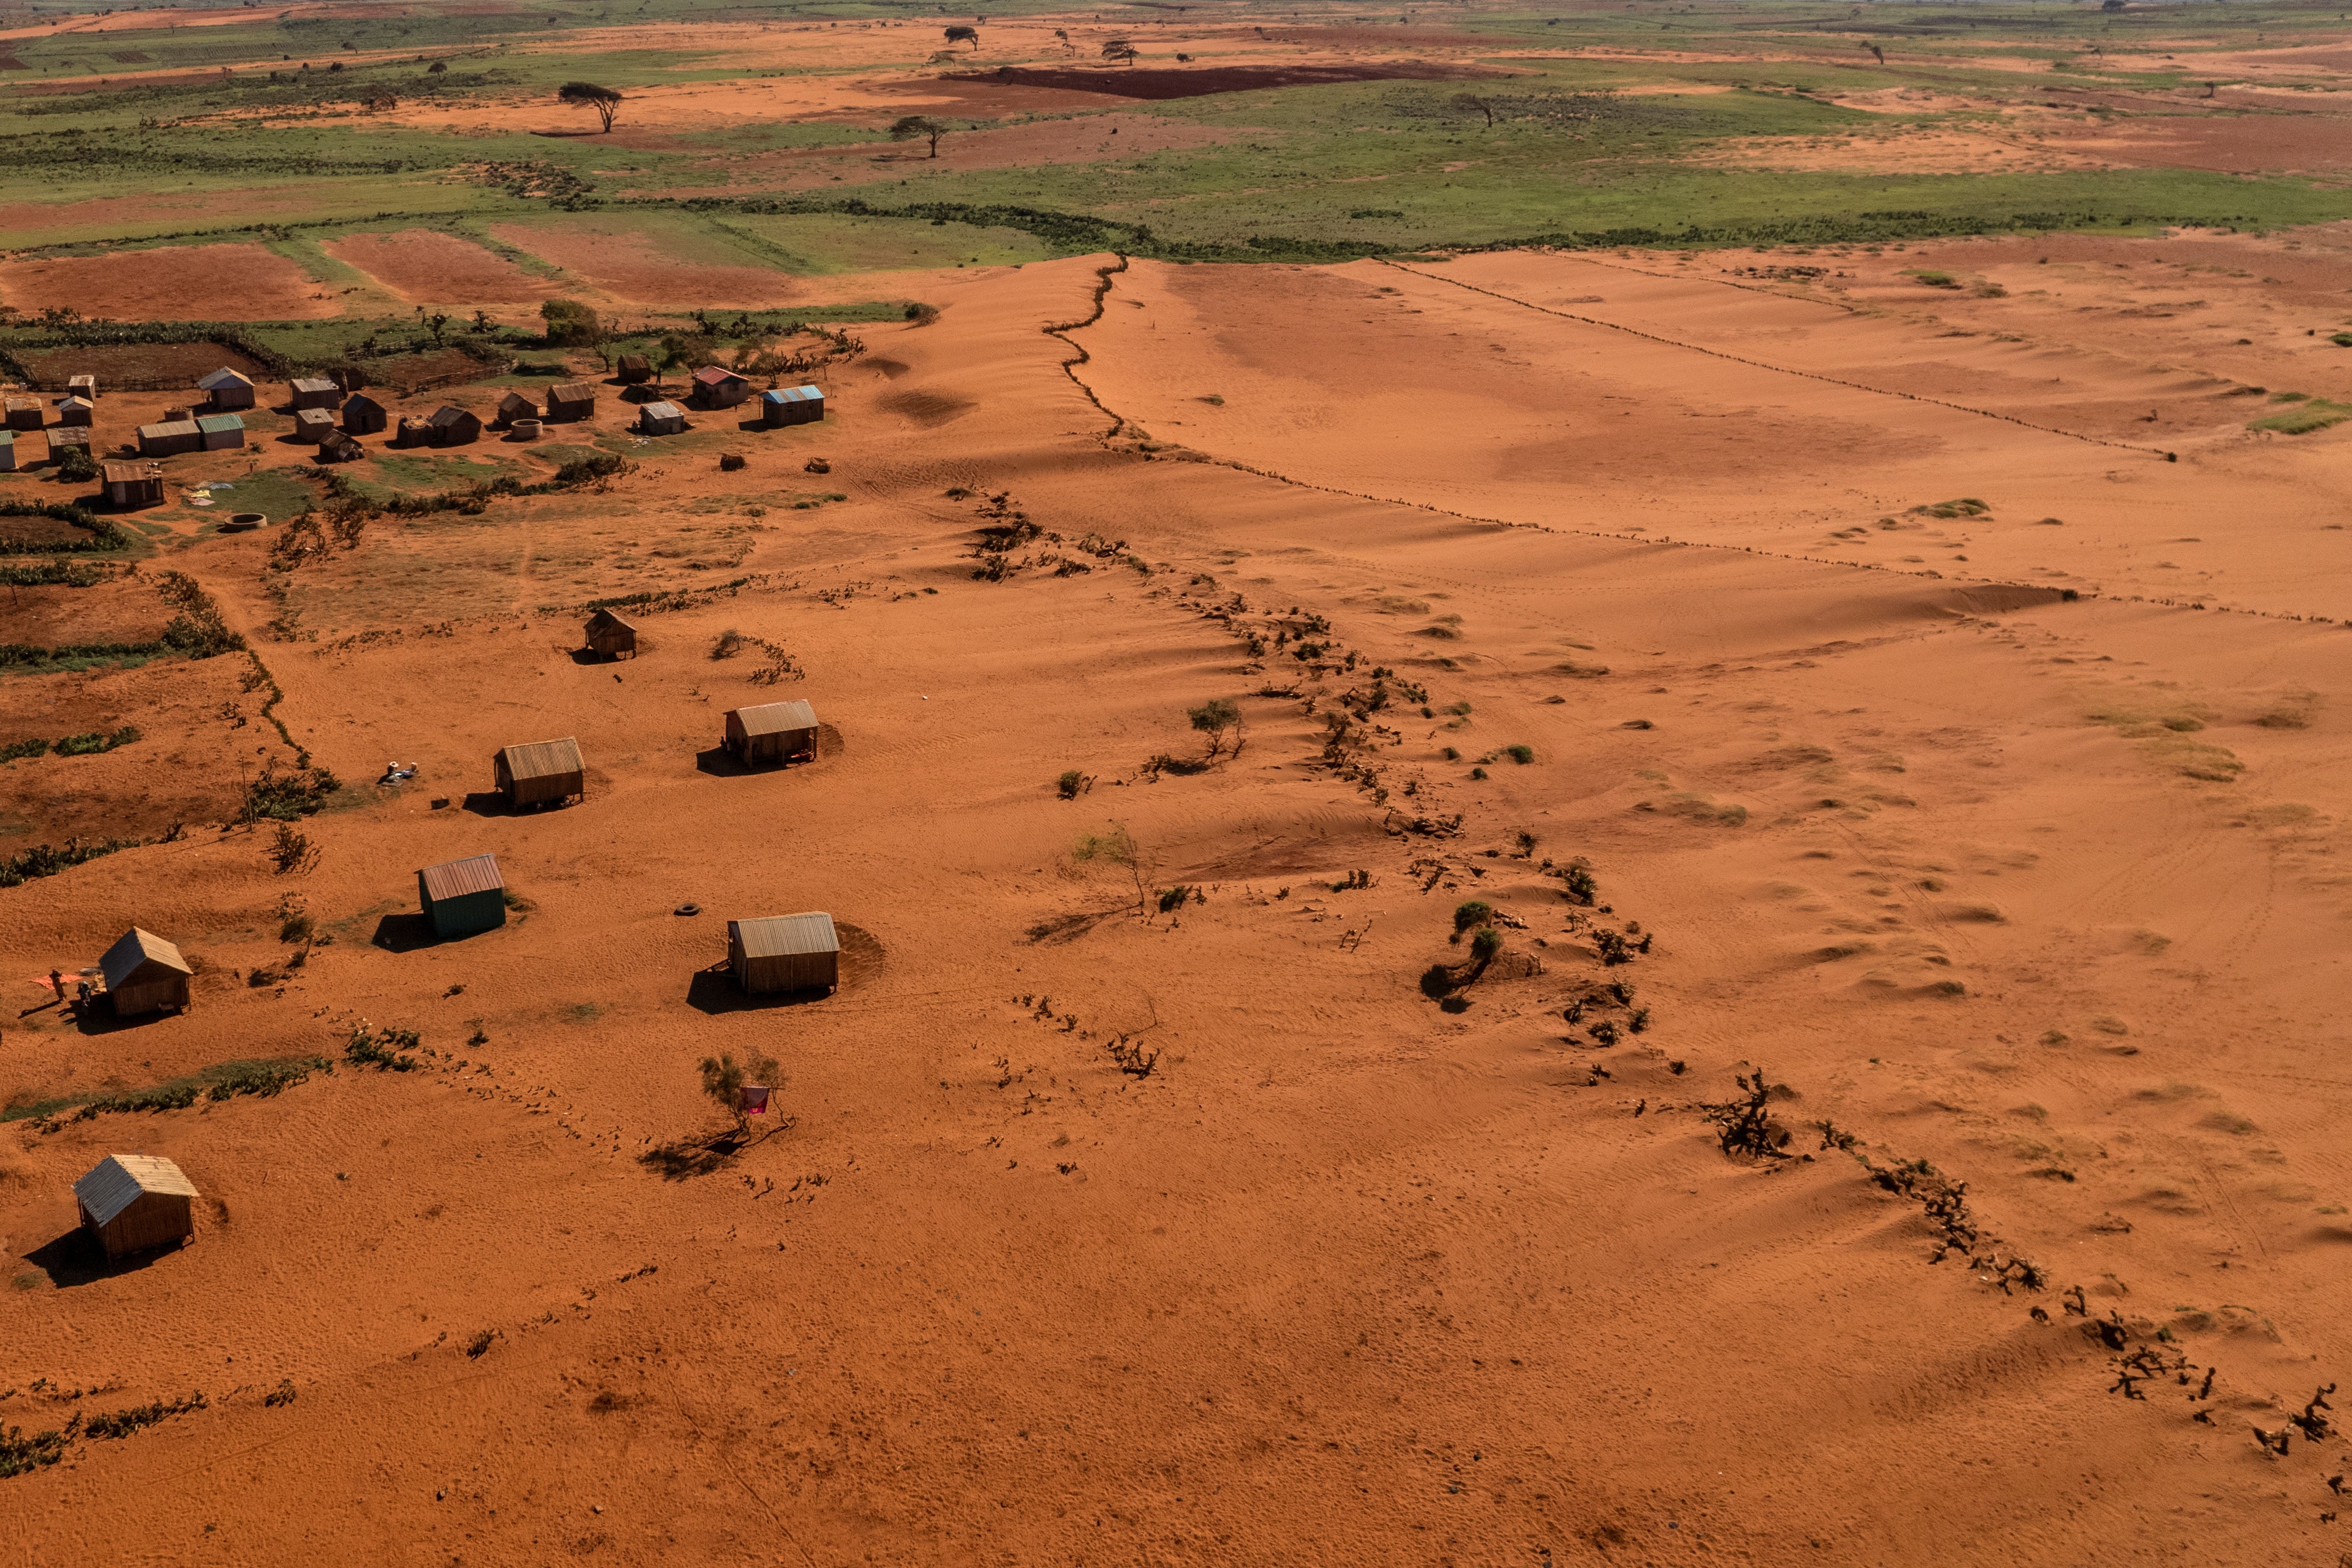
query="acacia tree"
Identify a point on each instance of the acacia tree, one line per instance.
(965, 35)
(723, 1078)
(1471, 103)
(1120, 49)
(1215, 716)
(921, 128)
(588, 94)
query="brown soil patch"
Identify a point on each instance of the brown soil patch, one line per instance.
(121, 609)
(171, 283)
(37, 531)
(1162, 82)
(427, 266)
(633, 267)
(2231, 145)
(409, 374)
(136, 367)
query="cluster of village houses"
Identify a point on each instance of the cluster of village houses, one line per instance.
(136, 1202)
(332, 412)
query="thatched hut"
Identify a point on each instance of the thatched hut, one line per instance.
(611, 636)
(772, 732)
(635, 369)
(221, 432)
(661, 419)
(716, 386)
(226, 389)
(452, 426)
(542, 772)
(76, 409)
(136, 1202)
(145, 974)
(514, 406)
(362, 415)
(129, 486)
(784, 953)
(315, 392)
(462, 897)
(22, 412)
(170, 438)
(792, 406)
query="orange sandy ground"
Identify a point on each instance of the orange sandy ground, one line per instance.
(1346, 1277)
(169, 283)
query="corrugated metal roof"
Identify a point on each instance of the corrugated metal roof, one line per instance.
(447, 414)
(76, 402)
(793, 394)
(120, 1180)
(123, 472)
(516, 401)
(168, 429)
(459, 878)
(223, 377)
(606, 618)
(712, 375)
(315, 384)
(663, 411)
(774, 718)
(576, 391)
(542, 759)
(138, 948)
(210, 422)
(779, 934)
(362, 400)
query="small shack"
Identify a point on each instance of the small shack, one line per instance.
(635, 369)
(7, 452)
(145, 974)
(313, 425)
(226, 389)
(661, 419)
(514, 406)
(538, 774)
(611, 636)
(362, 415)
(83, 386)
(792, 406)
(462, 897)
(22, 412)
(315, 392)
(136, 1202)
(773, 732)
(338, 447)
(76, 411)
(129, 486)
(716, 386)
(784, 953)
(170, 438)
(452, 426)
(412, 431)
(565, 403)
(221, 432)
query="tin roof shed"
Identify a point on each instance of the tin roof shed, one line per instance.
(118, 1181)
(785, 952)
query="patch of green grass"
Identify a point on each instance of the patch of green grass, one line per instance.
(2304, 416)
(823, 243)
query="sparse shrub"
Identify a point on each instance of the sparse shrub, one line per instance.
(1073, 784)
(296, 927)
(1638, 1019)
(1484, 945)
(384, 1050)
(1477, 773)
(1603, 1034)
(1522, 754)
(1582, 888)
(723, 1078)
(730, 642)
(1172, 899)
(1612, 945)
(479, 1344)
(1471, 912)
(1450, 753)
(291, 852)
(1214, 718)
(1744, 1126)
(730, 462)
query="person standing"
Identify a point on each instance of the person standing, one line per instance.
(57, 984)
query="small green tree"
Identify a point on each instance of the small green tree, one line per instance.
(1214, 718)
(1120, 49)
(723, 1078)
(570, 324)
(75, 465)
(1471, 912)
(919, 128)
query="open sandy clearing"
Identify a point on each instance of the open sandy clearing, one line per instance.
(169, 283)
(426, 266)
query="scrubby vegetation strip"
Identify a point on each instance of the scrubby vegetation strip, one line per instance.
(266, 1077)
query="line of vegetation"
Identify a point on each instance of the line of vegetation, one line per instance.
(20, 1454)
(47, 859)
(87, 744)
(264, 1076)
(54, 574)
(103, 535)
(197, 631)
